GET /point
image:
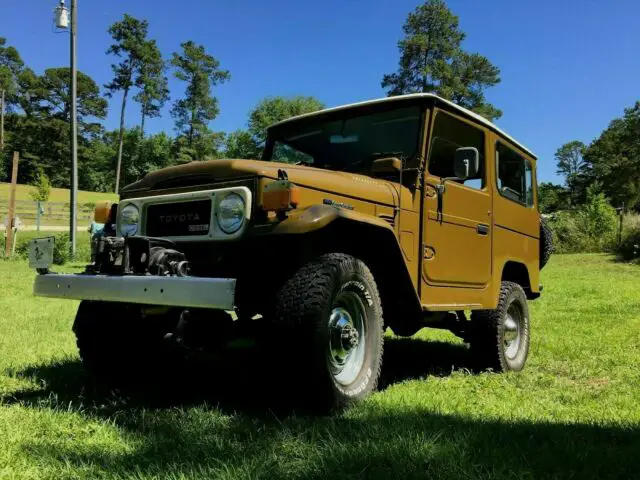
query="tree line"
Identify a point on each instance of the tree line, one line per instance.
(609, 165)
(431, 60)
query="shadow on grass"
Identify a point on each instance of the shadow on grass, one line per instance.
(254, 440)
(237, 381)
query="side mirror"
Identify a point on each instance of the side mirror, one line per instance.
(386, 166)
(466, 163)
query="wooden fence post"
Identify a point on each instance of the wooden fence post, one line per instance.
(12, 205)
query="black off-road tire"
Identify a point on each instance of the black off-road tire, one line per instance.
(488, 349)
(546, 243)
(303, 309)
(117, 346)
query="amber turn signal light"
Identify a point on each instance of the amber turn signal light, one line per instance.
(102, 212)
(280, 195)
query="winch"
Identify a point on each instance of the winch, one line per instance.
(138, 256)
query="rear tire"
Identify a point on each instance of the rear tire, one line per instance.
(329, 320)
(500, 337)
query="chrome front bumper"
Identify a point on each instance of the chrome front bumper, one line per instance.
(194, 292)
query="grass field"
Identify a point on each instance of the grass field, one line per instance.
(57, 194)
(573, 413)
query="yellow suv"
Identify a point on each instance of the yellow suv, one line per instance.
(403, 212)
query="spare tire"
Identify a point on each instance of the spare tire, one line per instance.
(546, 243)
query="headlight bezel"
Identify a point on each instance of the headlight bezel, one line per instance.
(216, 196)
(122, 213)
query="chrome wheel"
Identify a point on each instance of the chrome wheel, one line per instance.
(512, 331)
(347, 339)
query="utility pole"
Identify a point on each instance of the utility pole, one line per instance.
(61, 20)
(74, 132)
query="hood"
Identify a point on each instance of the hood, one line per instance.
(211, 171)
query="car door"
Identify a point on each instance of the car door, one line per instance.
(457, 227)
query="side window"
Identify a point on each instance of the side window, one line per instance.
(528, 182)
(448, 135)
(515, 176)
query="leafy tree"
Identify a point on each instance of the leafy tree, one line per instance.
(30, 91)
(193, 113)
(551, 198)
(614, 159)
(207, 145)
(131, 45)
(11, 65)
(56, 97)
(241, 144)
(98, 175)
(152, 82)
(275, 109)
(42, 133)
(42, 188)
(572, 167)
(470, 75)
(432, 60)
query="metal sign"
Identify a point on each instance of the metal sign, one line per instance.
(41, 252)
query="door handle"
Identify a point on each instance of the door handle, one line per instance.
(482, 229)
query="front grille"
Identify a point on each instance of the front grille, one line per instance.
(180, 219)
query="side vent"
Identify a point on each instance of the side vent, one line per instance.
(390, 219)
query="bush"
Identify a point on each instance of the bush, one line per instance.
(592, 228)
(629, 248)
(43, 188)
(61, 247)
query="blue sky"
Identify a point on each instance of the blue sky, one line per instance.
(568, 67)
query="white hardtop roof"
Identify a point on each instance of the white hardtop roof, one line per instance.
(463, 110)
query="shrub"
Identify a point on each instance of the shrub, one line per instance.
(61, 247)
(629, 248)
(567, 236)
(43, 188)
(592, 228)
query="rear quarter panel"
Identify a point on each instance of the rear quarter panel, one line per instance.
(516, 227)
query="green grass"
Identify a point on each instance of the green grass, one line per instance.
(574, 412)
(57, 194)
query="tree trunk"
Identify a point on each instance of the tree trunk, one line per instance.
(121, 138)
(191, 129)
(141, 140)
(2, 122)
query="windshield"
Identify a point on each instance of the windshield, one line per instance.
(350, 143)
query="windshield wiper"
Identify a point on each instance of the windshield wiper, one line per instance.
(302, 162)
(377, 155)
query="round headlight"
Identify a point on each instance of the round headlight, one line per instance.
(231, 213)
(128, 220)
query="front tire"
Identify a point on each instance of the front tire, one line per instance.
(330, 318)
(500, 337)
(117, 346)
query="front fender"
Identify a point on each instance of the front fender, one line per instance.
(316, 217)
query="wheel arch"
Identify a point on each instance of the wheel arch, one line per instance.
(517, 272)
(323, 229)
